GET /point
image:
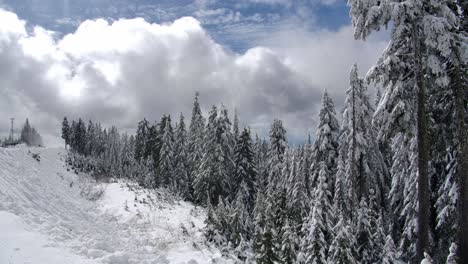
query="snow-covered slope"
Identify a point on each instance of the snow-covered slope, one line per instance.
(51, 215)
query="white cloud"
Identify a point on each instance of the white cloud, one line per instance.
(120, 72)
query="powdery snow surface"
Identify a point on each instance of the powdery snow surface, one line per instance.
(50, 215)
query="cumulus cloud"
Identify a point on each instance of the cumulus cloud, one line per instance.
(119, 72)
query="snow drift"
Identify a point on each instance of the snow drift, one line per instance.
(49, 215)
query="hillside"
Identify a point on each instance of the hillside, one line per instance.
(49, 215)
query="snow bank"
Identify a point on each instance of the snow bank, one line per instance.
(50, 215)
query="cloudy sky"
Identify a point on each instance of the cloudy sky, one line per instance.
(117, 61)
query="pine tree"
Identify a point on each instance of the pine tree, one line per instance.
(298, 200)
(141, 140)
(389, 254)
(452, 257)
(195, 147)
(29, 135)
(226, 142)
(264, 233)
(212, 226)
(260, 150)
(90, 139)
(245, 167)
(318, 227)
(211, 178)
(364, 235)
(241, 223)
(275, 201)
(235, 126)
(325, 146)
(66, 132)
(166, 154)
(181, 173)
(377, 228)
(79, 136)
(360, 163)
(341, 250)
(152, 151)
(289, 243)
(414, 60)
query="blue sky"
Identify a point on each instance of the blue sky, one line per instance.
(238, 25)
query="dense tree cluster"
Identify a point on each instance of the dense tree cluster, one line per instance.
(30, 136)
(387, 184)
(103, 152)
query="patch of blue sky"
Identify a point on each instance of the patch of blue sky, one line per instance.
(237, 24)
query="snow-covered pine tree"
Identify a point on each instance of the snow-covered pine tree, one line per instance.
(278, 173)
(318, 227)
(29, 135)
(261, 150)
(298, 200)
(166, 155)
(409, 211)
(241, 223)
(264, 232)
(289, 242)
(275, 164)
(305, 166)
(245, 167)
(243, 252)
(452, 257)
(377, 227)
(79, 137)
(325, 146)
(448, 112)
(235, 126)
(151, 153)
(90, 139)
(141, 140)
(212, 226)
(364, 236)
(415, 59)
(389, 253)
(202, 182)
(127, 156)
(360, 164)
(341, 250)
(66, 131)
(340, 197)
(226, 143)
(195, 147)
(212, 176)
(181, 171)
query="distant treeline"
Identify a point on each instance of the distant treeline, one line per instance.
(28, 136)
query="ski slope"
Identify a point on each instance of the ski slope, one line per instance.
(49, 215)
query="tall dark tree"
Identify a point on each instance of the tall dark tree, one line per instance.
(419, 49)
(166, 155)
(66, 131)
(245, 167)
(195, 140)
(141, 140)
(181, 173)
(30, 136)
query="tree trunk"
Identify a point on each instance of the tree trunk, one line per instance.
(422, 244)
(461, 97)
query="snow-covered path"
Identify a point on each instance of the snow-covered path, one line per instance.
(47, 215)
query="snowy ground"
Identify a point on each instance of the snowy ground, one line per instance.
(50, 215)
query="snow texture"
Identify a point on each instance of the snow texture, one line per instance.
(50, 215)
